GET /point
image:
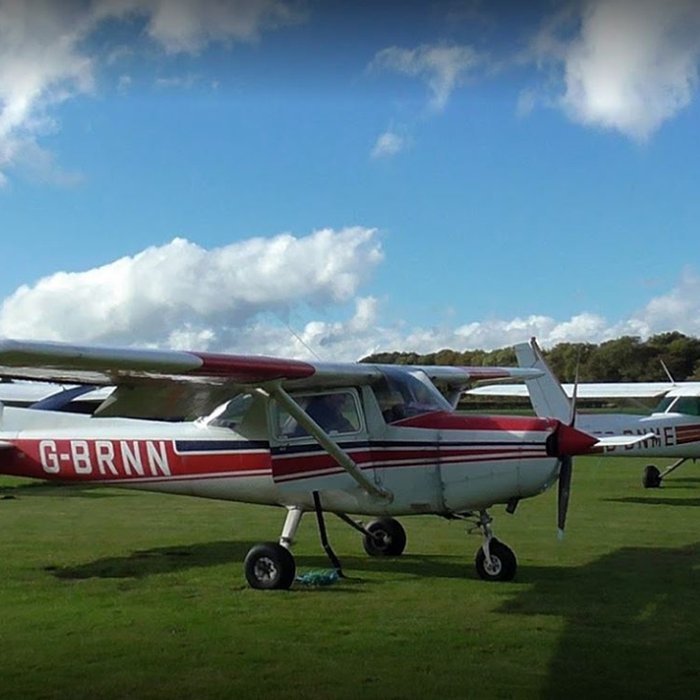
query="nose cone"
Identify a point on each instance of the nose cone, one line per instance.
(570, 442)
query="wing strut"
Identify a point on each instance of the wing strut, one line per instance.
(328, 444)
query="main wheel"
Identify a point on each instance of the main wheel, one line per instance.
(388, 538)
(269, 566)
(651, 478)
(503, 562)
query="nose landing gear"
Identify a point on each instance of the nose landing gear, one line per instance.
(495, 561)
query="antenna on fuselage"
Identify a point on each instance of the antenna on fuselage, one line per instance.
(298, 337)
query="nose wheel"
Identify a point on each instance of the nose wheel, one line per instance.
(495, 561)
(501, 564)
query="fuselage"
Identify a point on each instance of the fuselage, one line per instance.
(677, 434)
(436, 463)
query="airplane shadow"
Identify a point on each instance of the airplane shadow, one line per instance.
(43, 489)
(687, 502)
(631, 614)
(160, 560)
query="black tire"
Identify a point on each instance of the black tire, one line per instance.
(270, 566)
(652, 477)
(388, 538)
(504, 563)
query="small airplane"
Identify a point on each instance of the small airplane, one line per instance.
(75, 398)
(672, 429)
(375, 440)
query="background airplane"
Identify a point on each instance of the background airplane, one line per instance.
(75, 398)
(245, 432)
(672, 428)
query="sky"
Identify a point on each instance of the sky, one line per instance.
(331, 179)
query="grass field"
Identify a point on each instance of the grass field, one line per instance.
(115, 594)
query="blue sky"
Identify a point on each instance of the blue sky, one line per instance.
(294, 177)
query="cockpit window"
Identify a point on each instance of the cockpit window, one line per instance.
(403, 394)
(230, 414)
(334, 412)
(688, 405)
(664, 404)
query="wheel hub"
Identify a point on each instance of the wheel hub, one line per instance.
(493, 568)
(265, 569)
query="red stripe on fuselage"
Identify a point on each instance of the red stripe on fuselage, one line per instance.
(299, 465)
(453, 421)
(114, 460)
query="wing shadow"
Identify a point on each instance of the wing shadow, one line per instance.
(655, 501)
(630, 614)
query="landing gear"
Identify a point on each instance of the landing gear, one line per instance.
(495, 561)
(270, 566)
(502, 565)
(384, 537)
(653, 477)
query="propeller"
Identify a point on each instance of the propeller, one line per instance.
(566, 465)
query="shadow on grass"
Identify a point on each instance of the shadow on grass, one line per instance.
(681, 480)
(629, 623)
(160, 560)
(44, 488)
(687, 502)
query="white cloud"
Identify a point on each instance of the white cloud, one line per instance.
(442, 67)
(630, 64)
(679, 309)
(44, 60)
(40, 66)
(239, 298)
(179, 292)
(189, 25)
(388, 144)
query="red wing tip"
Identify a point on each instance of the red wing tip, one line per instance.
(251, 367)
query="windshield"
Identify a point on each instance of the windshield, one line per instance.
(230, 414)
(664, 404)
(403, 394)
(688, 405)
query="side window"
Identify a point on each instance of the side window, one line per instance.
(335, 412)
(231, 413)
(688, 405)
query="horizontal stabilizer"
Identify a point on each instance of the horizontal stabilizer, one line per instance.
(624, 440)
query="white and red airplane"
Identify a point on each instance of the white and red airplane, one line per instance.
(671, 430)
(342, 438)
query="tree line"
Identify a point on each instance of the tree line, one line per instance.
(625, 359)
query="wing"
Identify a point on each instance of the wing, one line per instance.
(174, 384)
(149, 383)
(623, 390)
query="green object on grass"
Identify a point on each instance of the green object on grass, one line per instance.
(325, 577)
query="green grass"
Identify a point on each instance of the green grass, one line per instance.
(116, 594)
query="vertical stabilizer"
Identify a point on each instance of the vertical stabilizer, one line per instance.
(546, 393)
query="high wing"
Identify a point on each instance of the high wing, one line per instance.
(174, 384)
(624, 390)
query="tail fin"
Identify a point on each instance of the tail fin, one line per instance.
(549, 400)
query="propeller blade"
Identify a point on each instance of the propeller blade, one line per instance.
(574, 395)
(565, 471)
